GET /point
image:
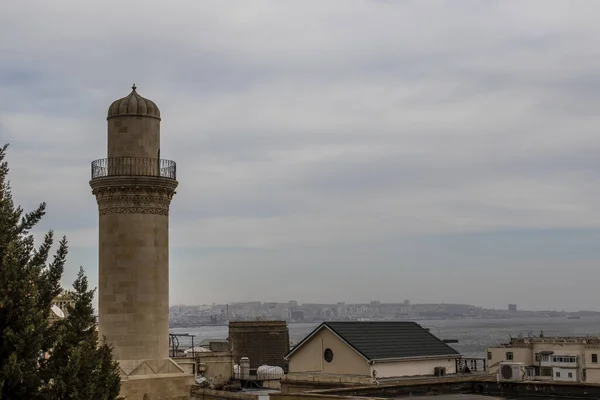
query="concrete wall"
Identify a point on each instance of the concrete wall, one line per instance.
(219, 365)
(404, 388)
(309, 357)
(306, 396)
(157, 387)
(299, 382)
(413, 367)
(564, 374)
(523, 355)
(198, 393)
(592, 375)
(187, 364)
(455, 387)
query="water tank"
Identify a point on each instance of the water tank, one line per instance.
(264, 342)
(267, 372)
(244, 368)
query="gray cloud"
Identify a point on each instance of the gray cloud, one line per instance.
(340, 150)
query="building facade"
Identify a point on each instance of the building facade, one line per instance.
(569, 359)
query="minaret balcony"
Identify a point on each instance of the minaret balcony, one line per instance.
(133, 166)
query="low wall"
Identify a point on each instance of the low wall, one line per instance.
(199, 393)
(185, 363)
(457, 385)
(303, 382)
(539, 389)
(157, 387)
(219, 365)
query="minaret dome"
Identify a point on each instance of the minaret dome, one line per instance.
(133, 105)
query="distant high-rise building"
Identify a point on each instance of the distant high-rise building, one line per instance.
(512, 307)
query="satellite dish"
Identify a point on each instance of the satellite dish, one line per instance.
(58, 311)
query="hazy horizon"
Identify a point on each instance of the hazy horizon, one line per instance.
(390, 302)
(437, 151)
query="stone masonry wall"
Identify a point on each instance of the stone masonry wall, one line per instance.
(132, 136)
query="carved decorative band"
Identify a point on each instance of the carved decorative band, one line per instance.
(134, 200)
(134, 210)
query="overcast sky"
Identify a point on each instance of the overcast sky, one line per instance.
(328, 150)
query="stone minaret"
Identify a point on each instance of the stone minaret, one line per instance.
(133, 188)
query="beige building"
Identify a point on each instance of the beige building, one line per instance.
(573, 359)
(133, 188)
(377, 350)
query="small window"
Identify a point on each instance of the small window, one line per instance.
(509, 356)
(546, 372)
(538, 357)
(595, 358)
(489, 355)
(328, 355)
(558, 374)
(570, 374)
(545, 357)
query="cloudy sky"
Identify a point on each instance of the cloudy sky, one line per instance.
(328, 150)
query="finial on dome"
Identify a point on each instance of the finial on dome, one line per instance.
(134, 87)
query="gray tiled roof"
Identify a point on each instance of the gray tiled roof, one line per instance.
(390, 339)
(206, 342)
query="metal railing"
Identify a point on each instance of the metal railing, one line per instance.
(133, 166)
(470, 364)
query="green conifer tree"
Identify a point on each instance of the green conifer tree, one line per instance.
(78, 366)
(28, 284)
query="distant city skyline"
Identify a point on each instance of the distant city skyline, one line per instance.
(293, 312)
(441, 151)
(506, 307)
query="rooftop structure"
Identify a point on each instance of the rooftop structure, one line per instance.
(263, 342)
(376, 350)
(386, 340)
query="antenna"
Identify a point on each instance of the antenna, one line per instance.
(57, 311)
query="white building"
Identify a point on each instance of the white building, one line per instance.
(571, 358)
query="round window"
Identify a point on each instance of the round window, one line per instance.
(328, 355)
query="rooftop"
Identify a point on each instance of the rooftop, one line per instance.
(383, 340)
(524, 341)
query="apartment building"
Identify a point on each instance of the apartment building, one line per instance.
(565, 358)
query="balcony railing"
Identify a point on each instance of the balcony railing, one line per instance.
(550, 363)
(470, 364)
(133, 166)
